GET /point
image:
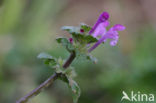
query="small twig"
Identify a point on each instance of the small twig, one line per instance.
(46, 83)
(37, 90)
(69, 60)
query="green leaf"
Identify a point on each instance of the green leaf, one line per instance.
(71, 29)
(44, 56)
(59, 70)
(82, 38)
(64, 78)
(91, 58)
(73, 86)
(48, 59)
(75, 90)
(90, 39)
(65, 42)
(50, 62)
(62, 40)
(59, 67)
(78, 37)
(70, 72)
(67, 76)
(60, 61)
(85, 27)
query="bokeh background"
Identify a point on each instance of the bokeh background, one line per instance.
(28, 27)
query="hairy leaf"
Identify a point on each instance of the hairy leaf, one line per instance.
(85, 27)
(65, 42)
(44, 56)
(90, 39)
(48, 59)
(75, 90)
(91, 58)
(71, 29)
(67, 76)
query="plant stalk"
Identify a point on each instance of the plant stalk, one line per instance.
(46, 83)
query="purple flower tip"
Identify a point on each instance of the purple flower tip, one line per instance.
(105, 15)
(102, 18)
(119, 27)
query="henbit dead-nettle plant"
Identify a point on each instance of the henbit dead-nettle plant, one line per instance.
(82, 41)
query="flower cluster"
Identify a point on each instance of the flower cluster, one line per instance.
(99, 31)
(82, 37)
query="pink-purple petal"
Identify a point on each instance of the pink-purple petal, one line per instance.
(113, 42)
(101, 29)
(102, 18)
(118, 27)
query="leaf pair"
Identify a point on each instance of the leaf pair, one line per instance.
(77, 35)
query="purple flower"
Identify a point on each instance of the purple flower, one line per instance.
(102, 18)
(99, 31)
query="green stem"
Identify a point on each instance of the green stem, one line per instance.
(46, 83)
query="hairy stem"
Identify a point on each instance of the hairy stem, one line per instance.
(69, 60)
(46, 83)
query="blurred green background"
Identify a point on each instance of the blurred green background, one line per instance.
(28, 27)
